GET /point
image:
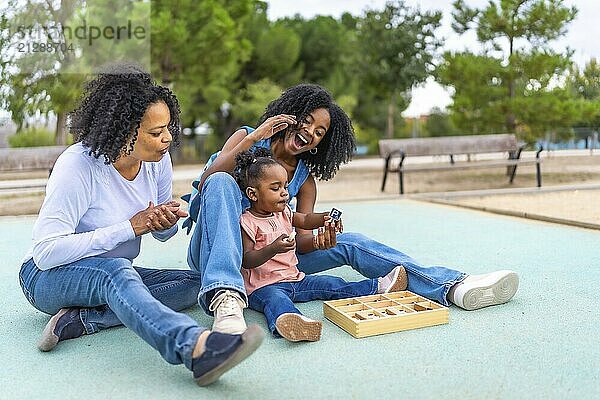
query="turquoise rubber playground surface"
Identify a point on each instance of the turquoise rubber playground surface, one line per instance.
(544, 344)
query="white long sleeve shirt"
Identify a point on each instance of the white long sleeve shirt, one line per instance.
(88, 205)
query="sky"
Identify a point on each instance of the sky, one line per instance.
(581, 36)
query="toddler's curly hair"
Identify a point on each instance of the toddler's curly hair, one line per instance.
(249, 167)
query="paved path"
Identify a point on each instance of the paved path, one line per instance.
(359, 180)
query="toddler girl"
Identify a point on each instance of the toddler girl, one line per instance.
(271, 278)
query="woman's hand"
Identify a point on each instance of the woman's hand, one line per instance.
(157, 218)
(282, 244)
(326, 235)
(271, 126)
(165, 216)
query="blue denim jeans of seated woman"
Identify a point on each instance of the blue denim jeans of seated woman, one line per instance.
(279, 298)
(372, 259)
(112, 292)
(215, 249)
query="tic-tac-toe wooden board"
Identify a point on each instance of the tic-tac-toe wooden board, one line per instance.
(384, 313)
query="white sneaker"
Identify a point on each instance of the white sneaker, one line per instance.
(395, 281)
(478, 291)
(228, 307)
(297, 327)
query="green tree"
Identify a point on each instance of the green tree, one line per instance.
(270, 65)
(198, 50)
(585, 86)
(439, 123)
(250, 102)
(327, 51)
(275, 49)
(396, 50)
(478, 91)
(275, 55)
(293, 50)
(519, 78)
(36, 82)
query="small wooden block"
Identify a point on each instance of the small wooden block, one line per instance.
(384, 313)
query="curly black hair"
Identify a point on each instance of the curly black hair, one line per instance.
(249, 166)
(112, 106)
(336, 147)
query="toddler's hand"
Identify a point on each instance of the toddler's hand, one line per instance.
(291, 237)
(283, 245)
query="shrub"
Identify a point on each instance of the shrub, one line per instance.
(32, 137)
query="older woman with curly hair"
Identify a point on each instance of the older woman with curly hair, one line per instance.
(310, 136)
(106, 191)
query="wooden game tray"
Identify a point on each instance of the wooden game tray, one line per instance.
(384, 313)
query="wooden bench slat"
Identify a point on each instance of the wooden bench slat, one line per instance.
(445, 145)
(465, 165)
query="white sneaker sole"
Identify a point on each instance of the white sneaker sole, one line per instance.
(296, 329)
(498, 288)
(232, 326)
(49, 340)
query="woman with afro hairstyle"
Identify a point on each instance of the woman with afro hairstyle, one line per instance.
(310, 136)
(107, 190)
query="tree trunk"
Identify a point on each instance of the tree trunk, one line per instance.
(511, 121)
(389, 132)
(60, 137)
(511, 124)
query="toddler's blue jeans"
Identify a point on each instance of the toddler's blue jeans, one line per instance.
(279, 298)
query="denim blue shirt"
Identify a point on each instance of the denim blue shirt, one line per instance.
(300, 175)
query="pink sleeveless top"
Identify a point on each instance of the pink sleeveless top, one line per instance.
(263, 231)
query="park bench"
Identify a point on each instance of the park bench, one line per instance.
(452, 146)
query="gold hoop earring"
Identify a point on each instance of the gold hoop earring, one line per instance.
(313, 151)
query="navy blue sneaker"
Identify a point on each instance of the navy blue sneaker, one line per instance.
(65, 324)
(223, 351)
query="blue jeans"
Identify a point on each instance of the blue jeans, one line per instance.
(219, 265)
(111, 292)
(278, 298)
(372, 259)
(215, 248)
